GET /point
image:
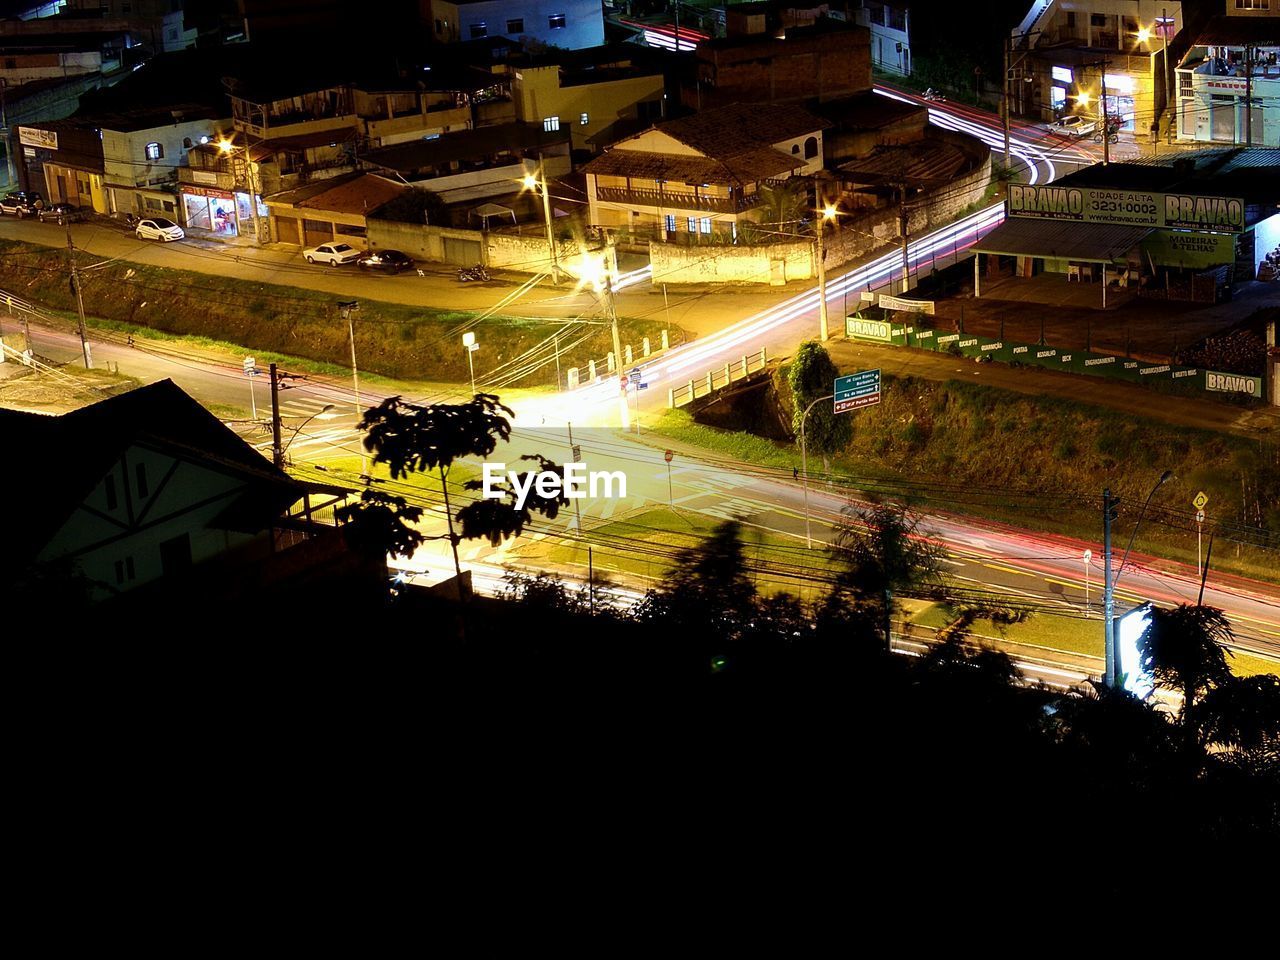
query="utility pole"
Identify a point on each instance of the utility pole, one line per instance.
(902, 229)
(348, 307)
(277, 451)
(1248, 96)
(75, 285)
(1004, 98)
(4, 131)
(610, 263)
(1109, 509)
(546, 211)
(820, 226)
(1106, 128)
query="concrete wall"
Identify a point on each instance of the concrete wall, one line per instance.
(677, 263)
(501, 251)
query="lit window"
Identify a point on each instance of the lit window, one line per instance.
(705, 224)
(550, 124)
(1058, 96)
(154, 151)
(584, 119)
(479, 30)
(671, 223)
(693, 224)
(556, 21)
(186, 143)
(1063, 74)
(516, 26)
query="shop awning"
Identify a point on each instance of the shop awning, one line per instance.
(1055, 240)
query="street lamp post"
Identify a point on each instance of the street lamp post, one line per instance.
(1109, 504)
(819, 226)
(348, 307)
(804, 467)
(227, 147)
(540, 183)
(469, 344)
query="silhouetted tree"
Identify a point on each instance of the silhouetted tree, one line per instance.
(1184, 649)
(881, 552)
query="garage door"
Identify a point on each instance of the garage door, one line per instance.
(464, 253)
(287, 230)
(318, 232)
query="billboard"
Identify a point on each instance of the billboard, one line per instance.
(1135, 208)
(1177, 248)
(32, 137)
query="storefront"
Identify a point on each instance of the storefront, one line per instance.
(211, 209)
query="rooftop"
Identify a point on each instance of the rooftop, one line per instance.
(1239, 31)
(355, 194)
(464, 145)
(740, 127)
(758, 163)
(1249, 174)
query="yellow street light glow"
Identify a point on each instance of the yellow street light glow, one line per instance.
(530, 182)
(829, 212)
(1143, 35)
(591, 272)
(225, 146)
(1083, 98)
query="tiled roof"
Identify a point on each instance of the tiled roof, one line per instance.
(757, 163)
(929, 161)
(728, 131)
(359, 195)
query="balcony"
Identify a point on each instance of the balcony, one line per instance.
(676, 200)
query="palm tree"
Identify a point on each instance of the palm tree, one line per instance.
(783, 204)
(1184, 649)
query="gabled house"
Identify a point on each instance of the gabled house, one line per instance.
(151, 490)
(704, 173)
(1232, 70)
(328, 210)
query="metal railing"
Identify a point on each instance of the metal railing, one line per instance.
(717, 379)
(677, 200)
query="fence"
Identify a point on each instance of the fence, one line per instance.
(1053, 358)
(717, 379)
(609, 363)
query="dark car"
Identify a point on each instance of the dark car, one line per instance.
(391, 261)
(60, 213)
(21, 204)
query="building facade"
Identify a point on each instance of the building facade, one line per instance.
(1229, 80)
(890, 26)
(567, 24)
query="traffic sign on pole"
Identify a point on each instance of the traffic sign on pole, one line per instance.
(667, 456)
(250, 367)
(857, 390)
(1201, 499)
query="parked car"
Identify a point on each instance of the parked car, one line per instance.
(334, 254)
(390, 261)
(1076, 126)
(158, 228)
(21, 204)
(60, 213)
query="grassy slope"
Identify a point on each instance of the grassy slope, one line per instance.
(396, 340)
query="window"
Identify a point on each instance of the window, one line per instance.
(671, 223)
(550, 124)
(811, 148)
(1098, 19)
(705, 224)
(154, 151)
(1058, 96)
(556, 21)
(479, 30)
(109, 488)
(1184, 84)
(140, 471)
(442, 26)
(1253, 4)
(186, 143)
(152, 203)
(516, 26)
(1071, 19)
(584, 119)
(1062, 74)
(693, 224)
(795, 148)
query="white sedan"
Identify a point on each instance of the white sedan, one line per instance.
(334, 254)
(158, 228)
(1077, 126)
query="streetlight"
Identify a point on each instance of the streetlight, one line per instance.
(819, 225)
(804, 467)
(597, 273)
(469, 344)
(1109, 505)
(226, 148)
(323, 410)
(539, 182)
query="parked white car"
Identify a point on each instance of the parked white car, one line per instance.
(334, 254)
(158, 228)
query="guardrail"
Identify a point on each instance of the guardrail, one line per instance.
(717, 379)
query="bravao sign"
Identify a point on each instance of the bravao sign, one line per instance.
(1137, 208)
